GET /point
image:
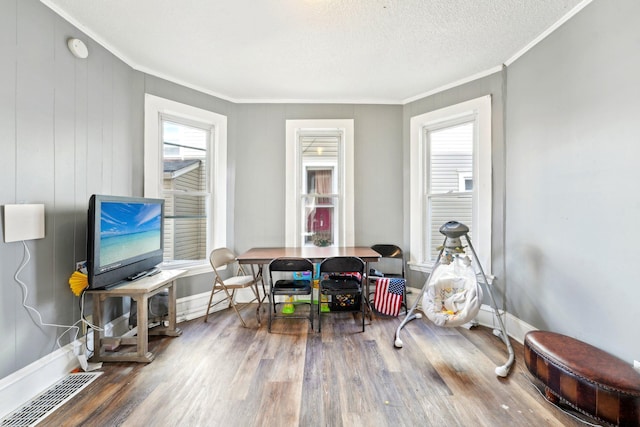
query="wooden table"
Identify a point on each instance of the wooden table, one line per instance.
(140, 291)
(263, 256)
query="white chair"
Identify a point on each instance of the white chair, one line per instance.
(225, 258)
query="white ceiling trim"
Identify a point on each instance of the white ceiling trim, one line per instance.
(454, 84)
(133, 64)
(549, 30)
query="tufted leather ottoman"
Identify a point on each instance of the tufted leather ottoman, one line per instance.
(586, 378)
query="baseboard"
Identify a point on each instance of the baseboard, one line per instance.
(194, 306)
(22, 385)
(515, 327)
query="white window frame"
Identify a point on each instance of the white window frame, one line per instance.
(293, 162)
(462, 180)
(480, 110)
(155, 108)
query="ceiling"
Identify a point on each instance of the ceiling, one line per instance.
(360, 51)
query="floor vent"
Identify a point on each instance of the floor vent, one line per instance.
(34, 411)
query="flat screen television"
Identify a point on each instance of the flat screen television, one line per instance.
(124, 238)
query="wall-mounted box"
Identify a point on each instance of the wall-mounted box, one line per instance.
(23, 222)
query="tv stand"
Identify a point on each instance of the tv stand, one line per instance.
(140, 291)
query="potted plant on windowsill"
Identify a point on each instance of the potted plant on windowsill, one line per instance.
(321, 239)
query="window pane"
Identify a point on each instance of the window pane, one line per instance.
(451, 152)
(185, 189)
(320, 148)
(451, 171)
(448, 208)
(184, 239)
(319, 225)
(319, 189)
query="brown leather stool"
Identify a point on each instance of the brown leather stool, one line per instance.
(586, 378)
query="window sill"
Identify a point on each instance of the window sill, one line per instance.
(428, 268)
(193, 267)
(423, 268)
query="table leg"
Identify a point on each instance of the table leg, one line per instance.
(143, 328)
(368, 304)
(173, 330)
(97, 320)
(256, 278)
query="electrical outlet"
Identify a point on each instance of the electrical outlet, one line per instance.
(89, 319)
(636, 365)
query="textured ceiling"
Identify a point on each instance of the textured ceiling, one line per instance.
(377, 51)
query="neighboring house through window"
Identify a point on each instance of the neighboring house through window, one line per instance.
(185, 164)
(319, 189)
(450, 179)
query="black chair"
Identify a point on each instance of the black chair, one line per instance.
(341, 279)
(391, 265)
(290, 286)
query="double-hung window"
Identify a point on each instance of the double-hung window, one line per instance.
(319, 189)
(451, 178)
(185, 164)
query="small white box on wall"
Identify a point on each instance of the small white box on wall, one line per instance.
(23, 222)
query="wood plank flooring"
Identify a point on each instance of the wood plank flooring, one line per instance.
(221, 374)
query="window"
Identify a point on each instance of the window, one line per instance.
(451, 178)
(185, 164)
(185, 188)
(465, 181)
(319, 189)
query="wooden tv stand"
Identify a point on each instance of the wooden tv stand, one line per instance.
(140, 291)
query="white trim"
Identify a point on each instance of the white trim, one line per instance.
(192, 268)
(22, 385)
(515, 327)
(54, 7)
(26, 383)
(451, 85)
(481, 108)
(194, 306)
(154, 106)
(293, 168)
(548, 31)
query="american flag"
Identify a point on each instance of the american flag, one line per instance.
(388, 297)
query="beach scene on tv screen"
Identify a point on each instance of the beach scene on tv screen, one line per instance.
(128, 230)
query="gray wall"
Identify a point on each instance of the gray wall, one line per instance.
(260, 175)
(572, 166)
(68, 128)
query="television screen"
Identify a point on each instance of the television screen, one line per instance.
(128, 230)
(125, 238)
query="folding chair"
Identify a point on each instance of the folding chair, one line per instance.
(290, 286)
(341, 279)
(224, 258)
(391, 266)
